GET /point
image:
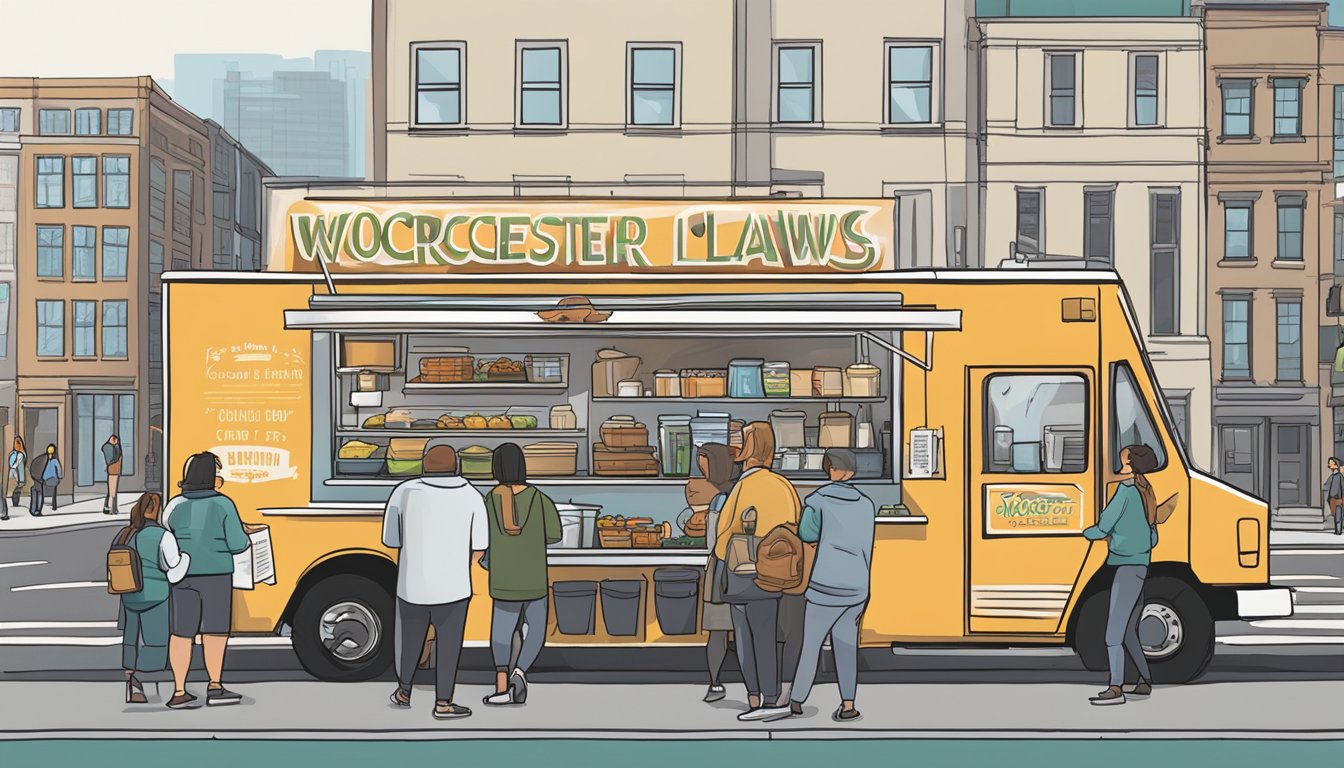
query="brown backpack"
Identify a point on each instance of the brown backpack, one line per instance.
(123, 564)
(783, 561)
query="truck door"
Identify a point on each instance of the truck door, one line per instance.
(1033, 489)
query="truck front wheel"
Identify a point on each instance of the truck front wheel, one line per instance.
(343, 629)
(1175, 630)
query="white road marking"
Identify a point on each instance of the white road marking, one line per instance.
(1305, 552)
(1302, 577)
(1280, 640)
(1327, 624)
(21, 564)
(60, 585)
(6, 626)
(108, 640)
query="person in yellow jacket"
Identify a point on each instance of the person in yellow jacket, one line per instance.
(773, 502)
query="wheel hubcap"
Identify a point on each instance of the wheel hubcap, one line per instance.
(350, 631)
(1161, 631)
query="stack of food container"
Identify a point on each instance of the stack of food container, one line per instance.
(624, 450)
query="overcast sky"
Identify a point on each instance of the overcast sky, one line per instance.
(113, 38)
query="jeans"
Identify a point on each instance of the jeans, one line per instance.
(413, 621)
(842, 623)
(1122, 623)
(35, 500)
(510, 616)
(791, 612)
(755, 625)
(144, 638)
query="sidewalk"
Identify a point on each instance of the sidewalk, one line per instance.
(289, 710)
(82, 512)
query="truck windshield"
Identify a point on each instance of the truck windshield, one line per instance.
(1131, 421)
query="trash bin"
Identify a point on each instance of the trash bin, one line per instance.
(676, 599)
(575, 606)
(620, 606)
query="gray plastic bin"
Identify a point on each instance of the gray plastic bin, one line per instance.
(620, 606)
(575, 606)
(676, 599)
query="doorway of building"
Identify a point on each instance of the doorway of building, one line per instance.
(1240, 464)
(41, 427)
(1291, 465)
(98, 416)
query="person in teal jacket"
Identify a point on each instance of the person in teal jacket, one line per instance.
(1129, 526)
(144, 614)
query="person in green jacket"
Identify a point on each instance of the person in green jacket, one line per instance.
(523, 520)
(144, 614)
(1129, 526)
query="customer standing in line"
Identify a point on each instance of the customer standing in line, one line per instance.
(717, 470)
(770, 500)
(1129, 525)
(144, 614)
(437, 521)
(17, 471)
(112, 463)
(523, 520)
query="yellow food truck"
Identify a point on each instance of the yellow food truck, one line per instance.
(608, 338)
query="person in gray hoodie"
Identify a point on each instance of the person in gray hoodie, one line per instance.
(840, 519)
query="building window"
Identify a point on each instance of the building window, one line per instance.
(796, 82)
(1062, 87)
(1291, 210)
(155, 258)
(1236, 337)
(439, 83)
(4, 319)
(1178, 405)
(1030, 212)
(85, 327)
(88, 122)
(53, 122)
(50, 181)
(50, 328)
(84, 253)
(1145, 78)
(117, 181)
(114, 329)
(653, 85)
(1237, 241)
(1036, 423)
(9, 120)
(126, 433)
(116, 244)
(97, 417)
(1287, 107)
(119, 122)
(1165, 228)
(158, 198)
(909, 84)
(50, 251)
(1339, 241)
(84, 181)
(1339, 131)
(1237, 101)
(1288, 366)
(541, 84)
(1099, 227)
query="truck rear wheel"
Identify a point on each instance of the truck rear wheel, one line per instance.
(343, 629)
(1175, 630)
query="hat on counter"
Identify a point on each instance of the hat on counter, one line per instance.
(200, 472)
(575, 309)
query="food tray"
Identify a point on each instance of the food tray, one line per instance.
(614, 538)
(359, 466)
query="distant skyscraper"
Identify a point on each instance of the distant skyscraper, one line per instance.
(303, 117)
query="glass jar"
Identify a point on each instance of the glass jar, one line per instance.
(745, 378)
(776, 379)
(674, 445)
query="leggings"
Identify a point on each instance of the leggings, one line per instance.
(509, 616)
(756, 624)
(1122, 623)
(716, 651)
(842, 623)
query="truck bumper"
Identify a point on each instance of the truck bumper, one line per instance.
(1264, 603)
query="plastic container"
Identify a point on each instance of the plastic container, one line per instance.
(676, 599)
(862, 380)
(837, 430)
(666, 383)
(709, 428)
(620, 606)
(674, 445)
(476, 462)
(788, 428)
(800, 382)
(776, 379)
(545, 369)
(746, 378)
(551, 459)
(629, 388)
(697, 382)
(827, 382)
(563, 417)
(571, 532)
(575, 606)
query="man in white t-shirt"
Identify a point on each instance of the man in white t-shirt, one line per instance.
(437, 521)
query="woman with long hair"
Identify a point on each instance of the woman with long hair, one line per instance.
(144, 614)
(760, 501)
(18, 468)
(711, 489)
(1129, 526)
(523, 520)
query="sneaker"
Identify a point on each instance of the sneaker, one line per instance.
(446, 710)
(1141, 688)
(182, 701)
(795, 709)
(715, 693)
(221, 697)
(765, 714)
(400, 698)
(499, 699)
(842, 715)
(518, 686)
(1112, 695)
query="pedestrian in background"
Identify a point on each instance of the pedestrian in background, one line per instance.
(437, 521)
(17, 471)
(1334, 495)
(144, 614)
(1129, 525)
(716, 619)
(523, 520)
(112, 462)
(45, 472)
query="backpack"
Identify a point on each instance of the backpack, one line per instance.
(783, 562)
(36, 468)
(123, 564)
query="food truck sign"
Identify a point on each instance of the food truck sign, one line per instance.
(656, 236)
(1036, 509)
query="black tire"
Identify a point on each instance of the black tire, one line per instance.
(368, 599)
(1184, 665)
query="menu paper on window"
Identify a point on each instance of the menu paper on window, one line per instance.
(924, 450)
(256, 564)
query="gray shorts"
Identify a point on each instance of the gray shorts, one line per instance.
(202, 605)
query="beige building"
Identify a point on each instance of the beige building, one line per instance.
(692, 98)
(1093, 156)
